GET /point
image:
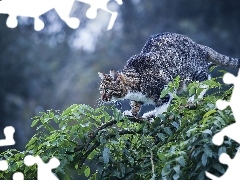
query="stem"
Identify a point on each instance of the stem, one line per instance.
(153, 171)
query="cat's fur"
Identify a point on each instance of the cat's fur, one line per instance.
(163, 57)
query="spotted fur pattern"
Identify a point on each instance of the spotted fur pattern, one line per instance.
(163, 57)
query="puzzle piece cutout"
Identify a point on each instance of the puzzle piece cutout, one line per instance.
(18, 176)
(44, 169)
(233, 172)
(36, 8)
(101, 4)
(8, 141)
(8, 133)
(235, 98)
(232, 131)
(3, 165)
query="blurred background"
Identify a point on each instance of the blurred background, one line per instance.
(57, 66)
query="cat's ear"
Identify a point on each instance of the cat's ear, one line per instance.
(101, 75)
(113, 74)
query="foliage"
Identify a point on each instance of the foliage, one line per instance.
(176, 145)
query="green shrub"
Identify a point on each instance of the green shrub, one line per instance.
(177, 145)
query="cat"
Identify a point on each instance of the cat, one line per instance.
(163, 57)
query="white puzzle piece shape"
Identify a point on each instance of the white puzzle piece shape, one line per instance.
(231, 131)
(8, 133)
(44, 169)
(95, 5)
(36, 8)
(3, 165)
(232, 172)
(18, 176)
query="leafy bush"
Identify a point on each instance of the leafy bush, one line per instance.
(176, 145)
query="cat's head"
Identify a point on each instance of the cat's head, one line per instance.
(111, 86)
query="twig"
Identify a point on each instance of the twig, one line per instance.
(97, 143)
(153, 171)
(93, 135)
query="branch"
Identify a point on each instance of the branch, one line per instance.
(92, 135)
(153, 170)
(96, 144)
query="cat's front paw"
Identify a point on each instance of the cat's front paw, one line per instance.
(150, 116)
(127, 113)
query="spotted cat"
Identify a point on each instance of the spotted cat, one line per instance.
(163, 57)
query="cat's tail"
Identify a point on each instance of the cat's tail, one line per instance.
(220, 59)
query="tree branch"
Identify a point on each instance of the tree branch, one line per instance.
(92, 135)
(96, 144)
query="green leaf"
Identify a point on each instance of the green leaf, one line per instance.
(106, 153)
(204, 159)
(221, 150)
(33, 140)
(220, 120)
(176, 169)
(67, 176)
(161, 156)
(199, 164)
(61, 170)
(116, 173)
(201, 175)
(106, 116)
(219, 168)
(93, 177)
(209, 113)
(117, 114)
(181, 160)
(176, 176)
(102, 140)
(207, 131)
(70, 109)
(199, 90)
(175, 124)
(164, 92)
(39, 127)
(168, 130)
(122, 168)
(166, 170)
(208, 151)
(205, 120)
(192, 90)
(87, 171)
(35, 122)
(161, 136)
